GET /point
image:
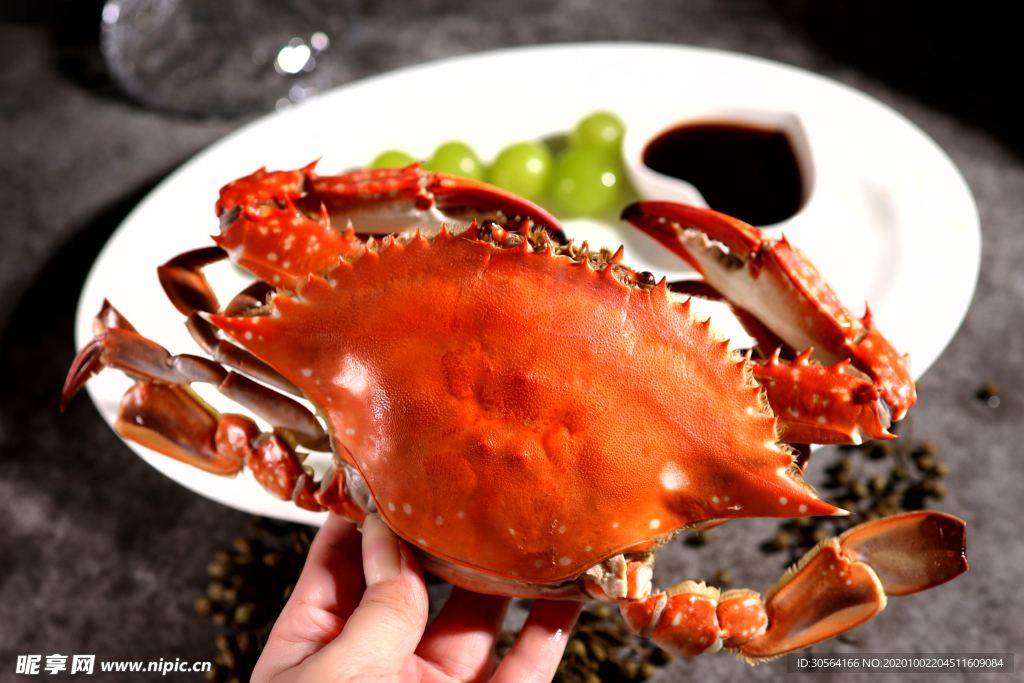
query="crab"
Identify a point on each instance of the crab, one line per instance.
(534, 417)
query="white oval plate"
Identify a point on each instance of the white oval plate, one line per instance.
(900, 231)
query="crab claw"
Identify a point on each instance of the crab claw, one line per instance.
(816, 404)
(453, 192)
(263, 186)
(282, 245)
(88, 361)
(375, 201)
(776, 284)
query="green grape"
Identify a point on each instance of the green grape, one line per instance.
(601, 130)
(456, 158)
(392, 158)
(585, 182)
(523, 168)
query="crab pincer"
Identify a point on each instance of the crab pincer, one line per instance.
(786, 304)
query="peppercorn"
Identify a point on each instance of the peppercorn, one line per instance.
(818, 534)
(573, 648)
(880, 450)
(924, 462)
(244, 612)
(877, 484)
(204, 606)
(215, 591)
(990, 394)
(782, 540)
(629, 668)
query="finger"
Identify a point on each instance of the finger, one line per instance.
(383, 631)
(325, 596)
(540, 644)
(380, 551)
(461, 640)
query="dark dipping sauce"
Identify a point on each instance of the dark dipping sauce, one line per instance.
(749, 173)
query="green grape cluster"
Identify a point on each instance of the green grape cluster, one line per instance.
(587, 178)
(584, 179)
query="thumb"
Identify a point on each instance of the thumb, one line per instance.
(386, 627)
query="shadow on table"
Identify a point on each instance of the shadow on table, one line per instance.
(959, 57)
(36, 345)
(74, 459)
(96, 546)
(36, 349)
(74, 37)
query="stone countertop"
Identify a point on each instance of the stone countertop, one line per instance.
(101, 554)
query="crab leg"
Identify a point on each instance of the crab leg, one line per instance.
(184, 283)
(775, 283)
(226, 353)
(278, 469)
(837, 586)
(162, 413)
(143, 359)
(172, 420)
(188, 289)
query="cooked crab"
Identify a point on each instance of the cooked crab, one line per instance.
(534, 417)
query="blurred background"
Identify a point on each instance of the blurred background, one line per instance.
(101, 554)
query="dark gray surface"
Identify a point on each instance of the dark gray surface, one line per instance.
(101, 554)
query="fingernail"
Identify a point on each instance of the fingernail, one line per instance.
(380, 551)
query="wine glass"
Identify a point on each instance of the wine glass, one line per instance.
(227, 57)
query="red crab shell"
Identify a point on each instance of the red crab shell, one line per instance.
(520, 413)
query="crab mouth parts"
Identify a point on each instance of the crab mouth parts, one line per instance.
(885, 412)
(229, 217)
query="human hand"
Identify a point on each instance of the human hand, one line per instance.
(362, 614)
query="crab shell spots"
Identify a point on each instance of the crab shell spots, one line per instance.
(519, 387)
(672, 477)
